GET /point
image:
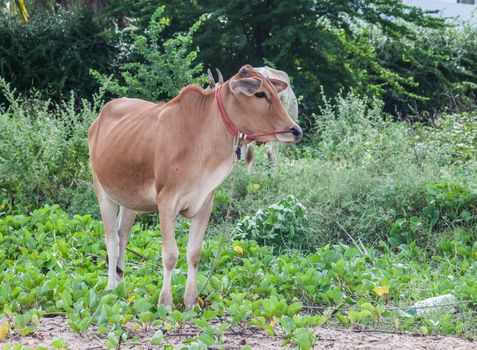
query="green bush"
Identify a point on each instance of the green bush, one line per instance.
(455, 136)
(353, 131)
(53, 53)
(451, 202)
(440, 66)
(44, 153)
(155, 69)
(280, 225)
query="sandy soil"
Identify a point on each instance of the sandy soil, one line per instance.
(235, 339)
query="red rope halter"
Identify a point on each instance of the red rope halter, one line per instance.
(230, 125)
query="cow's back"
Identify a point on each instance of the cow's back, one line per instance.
(114, 111)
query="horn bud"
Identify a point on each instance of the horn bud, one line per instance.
(211, 79)
(219, 74)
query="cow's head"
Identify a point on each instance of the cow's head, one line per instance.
(254, 106)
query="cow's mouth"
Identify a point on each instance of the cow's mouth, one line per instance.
(293, 136)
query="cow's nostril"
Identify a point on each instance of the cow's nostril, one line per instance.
(296, 132)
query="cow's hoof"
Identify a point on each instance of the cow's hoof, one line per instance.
(190, 305)
(166, 300)
(112, 284)
(190, 301)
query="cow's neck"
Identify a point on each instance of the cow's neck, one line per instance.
(210, 141)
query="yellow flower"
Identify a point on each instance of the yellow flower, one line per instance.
(4, 331)
(239, 250)
(131, 298)
(136, 327)
(201, 301)
(381, 290)
(273, 322)
(253, 188)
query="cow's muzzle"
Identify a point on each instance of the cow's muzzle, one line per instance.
(297, 133)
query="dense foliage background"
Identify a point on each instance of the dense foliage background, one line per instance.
(416, 63)
(354, 220)
(54, 53)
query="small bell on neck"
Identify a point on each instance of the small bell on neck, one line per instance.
(238, 152)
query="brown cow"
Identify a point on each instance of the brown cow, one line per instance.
(170, 158)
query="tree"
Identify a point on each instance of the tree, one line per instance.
(321, 44)
(54, 53)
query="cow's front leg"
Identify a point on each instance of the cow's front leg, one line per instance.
(197, 230)
(170, 253)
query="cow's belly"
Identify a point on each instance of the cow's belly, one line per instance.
(137, 198)
(141, 194)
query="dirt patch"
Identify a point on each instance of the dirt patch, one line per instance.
(328, 338)
(349, 339)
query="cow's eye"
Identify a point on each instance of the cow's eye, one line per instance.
(260, 94)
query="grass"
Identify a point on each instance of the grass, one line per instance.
(52, 263)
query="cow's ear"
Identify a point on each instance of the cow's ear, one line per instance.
(246, 86)
(279, 85)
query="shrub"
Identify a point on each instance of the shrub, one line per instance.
(353, 131)
(280, 225)
(440, 64)
(44, 152)
(455, 136)
(451, 202)
(359, 175)
(156, 69)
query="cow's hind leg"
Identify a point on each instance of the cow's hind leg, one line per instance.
(125, 221)
(170, 253)
(109, 210)
(197, 230)
(248, 156)
(272, 158)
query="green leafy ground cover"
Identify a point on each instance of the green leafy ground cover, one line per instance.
(52, 264)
